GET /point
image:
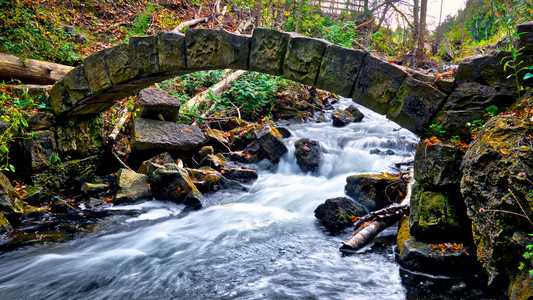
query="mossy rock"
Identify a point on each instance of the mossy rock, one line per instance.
(438, 164)
(10, 202)
(81, 137)
(5, 226)
(497, 173)
(337, 213)
(131, 187)
(173, 183)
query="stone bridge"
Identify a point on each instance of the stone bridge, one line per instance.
(409, 98)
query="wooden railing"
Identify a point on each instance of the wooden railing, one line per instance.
(338, 6)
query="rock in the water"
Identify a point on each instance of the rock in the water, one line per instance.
(341, 118)
(131, 187)
(436, 216)
(285, 133)
(497, 168)
(271, 142)
(156, 104)
(374, 191)
(208, 180)
(154, 163)
(242, 175)
(307, 154)
(355, 112)
(438, 164)
(336, 213)
(173, 183)
(214, 161)
(32, 195)
(10, 203)
(168, 136)
(439, 259)
(375, 151)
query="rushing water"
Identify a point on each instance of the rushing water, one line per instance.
(264, 243)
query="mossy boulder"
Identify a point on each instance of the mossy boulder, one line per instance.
(39, 151)
(240, 174)
(374, 191)
(337, 213)
(341, 118)
(10, 203)
(358, 116)
(436, 216)
(451, 259)
(173, 183)
(131, 187)
(487, 70)
(5, 226)
(438, 164)
(32, 195)
(496, 186)
(68, 176)
(81, 137)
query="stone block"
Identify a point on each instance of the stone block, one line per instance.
(415, 105)
(303, 58)
(160, 135)
(339, 69)
(377, 84)
(153, 103)
(171, 51)
(81, 137)
(96, 72)
(487, 70)
(144, 55)
(438, 165)
(436, 216)
(268, 50)
(60, 101)
(525, 30)
(76, 84)
(202, 48)
(118, 60)
(468, 103)
(233, 50)
(131, 187)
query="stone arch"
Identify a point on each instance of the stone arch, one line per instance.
(114, 73)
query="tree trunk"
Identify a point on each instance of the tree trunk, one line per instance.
(190, 23)
(382, 19)
(31, 70)
(299, 15)
(416, 27)
(258, 12)
(422, 33)
(378, 221)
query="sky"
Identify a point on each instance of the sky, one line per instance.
(449, 7)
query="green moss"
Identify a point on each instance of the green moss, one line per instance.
(5, 226)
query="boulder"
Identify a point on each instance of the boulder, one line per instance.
(336, 213)
(438, 164)
(40, 150)
(271, 142)
(374, 191)
(307, 154)
(468, 102)
(10, 203)
(240, 174)
(154, 163)
(208, 180)
(355, 112)
(205, 151)
(62, 207)
(173, 183)
(450, 259)
(166, 136)
(32, 195)
(285, 133)
(155, 104)
(131, 187)
(497, 170)
(216, 138)
(217, 161)
(341, 118)
(437, 216)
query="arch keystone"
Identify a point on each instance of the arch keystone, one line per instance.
(303, 58)
(171, 47)
(268, 50)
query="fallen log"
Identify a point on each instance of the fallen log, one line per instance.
(377, 221)
(190, 23)
(31, 70)
(218, 88)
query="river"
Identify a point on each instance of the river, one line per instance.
(261, 244)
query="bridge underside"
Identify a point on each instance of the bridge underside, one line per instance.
(412, 101)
